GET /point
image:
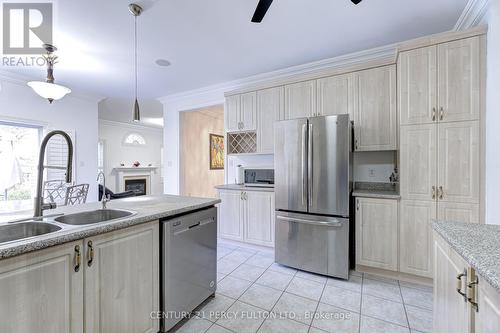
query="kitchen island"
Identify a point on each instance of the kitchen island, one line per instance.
(101, 277)
(466, 277)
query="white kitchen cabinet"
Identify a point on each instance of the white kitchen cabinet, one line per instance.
(459, 80)
(458, 162)
(375, 109)
(42, 291)
(231, 215)
(241, 112)
(417, 83)
(418, 162)
(458, 212)
(415, 237)
(232, 112)
(247, 216)
(487, 319)
(122, 280)
(270, 108)
(335, 95)
(300, 100)
(451, 310)
(377, 233)
(259, 218)
(248, 112)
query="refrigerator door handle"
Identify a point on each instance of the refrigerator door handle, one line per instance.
(304, 166)
(310, 174)
(319, 223)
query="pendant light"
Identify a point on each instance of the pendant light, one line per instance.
(48, 89)
(135, 10)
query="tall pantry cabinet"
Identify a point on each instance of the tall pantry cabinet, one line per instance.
(440, 93)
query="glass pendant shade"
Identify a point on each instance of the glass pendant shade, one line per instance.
(50, 91)
(137, 112)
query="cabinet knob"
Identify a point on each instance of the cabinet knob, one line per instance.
(78, 258)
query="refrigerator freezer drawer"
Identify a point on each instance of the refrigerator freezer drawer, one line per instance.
(317, 244)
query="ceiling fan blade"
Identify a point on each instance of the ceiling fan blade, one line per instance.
(261, 10)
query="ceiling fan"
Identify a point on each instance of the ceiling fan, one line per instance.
(264, 5)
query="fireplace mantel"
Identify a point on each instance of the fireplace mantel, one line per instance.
(123, 173)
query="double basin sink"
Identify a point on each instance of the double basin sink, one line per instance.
(22, 230)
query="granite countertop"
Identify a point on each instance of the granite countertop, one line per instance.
(381, 194)
(146, 208)
(236, 187)
(376, 190)
(478, 244)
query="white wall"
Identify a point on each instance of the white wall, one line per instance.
(493, 115)
(115, 152)
(19, 102)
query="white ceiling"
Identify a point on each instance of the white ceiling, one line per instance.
(213, 41)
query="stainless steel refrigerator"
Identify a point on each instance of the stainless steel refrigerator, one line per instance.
(312, 193)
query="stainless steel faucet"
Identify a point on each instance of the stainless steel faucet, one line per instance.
(105, 198)
(40, 206)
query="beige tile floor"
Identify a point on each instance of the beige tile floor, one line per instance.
(254, 294)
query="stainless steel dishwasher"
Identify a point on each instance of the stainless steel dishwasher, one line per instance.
(189, 264)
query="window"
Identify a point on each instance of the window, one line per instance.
(134, 139)
(19, 158)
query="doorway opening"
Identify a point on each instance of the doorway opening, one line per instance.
(202, 151)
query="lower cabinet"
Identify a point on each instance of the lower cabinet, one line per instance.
(377, 233)
(416, 237)
(42, 292)
(115, 275)
(451, 311)
(122, 280)
(247, 216)
(456, 291)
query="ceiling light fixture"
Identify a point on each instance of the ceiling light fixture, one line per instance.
(135, 10)
(49, 89)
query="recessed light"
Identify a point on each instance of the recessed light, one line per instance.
(163, 62)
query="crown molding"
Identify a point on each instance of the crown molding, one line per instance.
(21, 80)
(129, 125)
(214, 94)
(472, 15)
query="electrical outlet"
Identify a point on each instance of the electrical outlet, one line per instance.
(371, 173)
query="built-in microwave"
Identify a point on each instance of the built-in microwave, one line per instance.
(259, 177)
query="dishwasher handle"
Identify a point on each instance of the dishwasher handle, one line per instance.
(195, 225)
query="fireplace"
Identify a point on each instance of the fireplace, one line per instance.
(138, 185)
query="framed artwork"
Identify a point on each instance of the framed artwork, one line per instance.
(216, 152)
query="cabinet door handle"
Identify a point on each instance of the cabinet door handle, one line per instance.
(441, 193)
(471, 294)
(246, 196)
(441, 113)
(90, 254)
(434, 114)
(241, 195)
(356, 144)
(78, 258)
(433, 192)
(459, 284)
(357, 204)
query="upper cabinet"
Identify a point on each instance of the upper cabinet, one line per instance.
(300, 100)
(418, 86)
(440, 83)
(375, 109)
(241, 112)
(335, 95)
(270, 108)
(459, 85)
